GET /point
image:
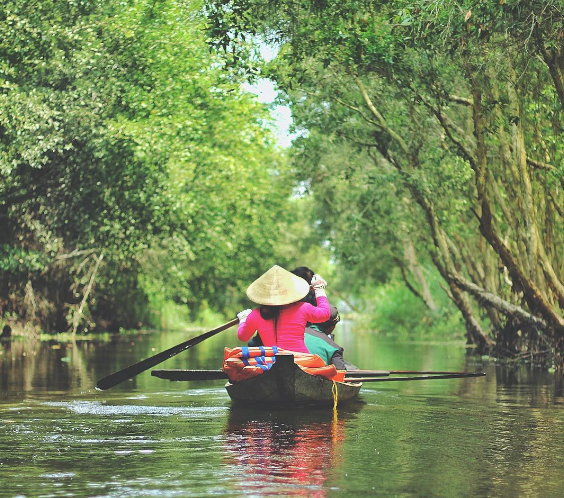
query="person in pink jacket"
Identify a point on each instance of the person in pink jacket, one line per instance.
(282, 317)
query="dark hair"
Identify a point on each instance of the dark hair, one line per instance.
(271, 313)
(307, 274)
(6, 332)
(304, 272)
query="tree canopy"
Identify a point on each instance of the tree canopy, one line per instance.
(132, 165)
(137, 174)
(433, 138)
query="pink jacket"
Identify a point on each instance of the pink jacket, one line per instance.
(291, 325)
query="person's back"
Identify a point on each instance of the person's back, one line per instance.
(287, 331)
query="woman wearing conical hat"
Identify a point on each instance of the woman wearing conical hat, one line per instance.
(282, 316)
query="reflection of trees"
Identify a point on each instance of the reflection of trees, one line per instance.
(496, 436)
(289, 453)
(28, 365)
(18, 364)
(525, 434)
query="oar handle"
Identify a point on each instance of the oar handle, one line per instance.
(135, 369)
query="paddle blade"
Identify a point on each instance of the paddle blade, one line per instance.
(186, 375)
(137, 368)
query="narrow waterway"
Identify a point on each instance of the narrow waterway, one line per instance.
(496, 436)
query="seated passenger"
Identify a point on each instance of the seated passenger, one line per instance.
(319, 338)
(319, 341)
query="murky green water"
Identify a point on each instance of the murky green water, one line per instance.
(498, 436)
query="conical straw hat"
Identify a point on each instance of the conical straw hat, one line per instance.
(277, 287)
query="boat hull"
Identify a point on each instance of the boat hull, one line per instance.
(286, 384)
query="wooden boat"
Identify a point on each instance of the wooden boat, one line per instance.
(285, 384)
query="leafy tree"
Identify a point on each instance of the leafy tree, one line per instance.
(455, 107)
(131, 163)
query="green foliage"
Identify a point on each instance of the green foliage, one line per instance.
(357, 207)
(20, 261)
(330, 32)
(394, 311)
(431, 135)
(456, 26)
(122, 136)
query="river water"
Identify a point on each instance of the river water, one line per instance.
(495, 436)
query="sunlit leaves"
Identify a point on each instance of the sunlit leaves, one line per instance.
(122, 134)
(423, 65)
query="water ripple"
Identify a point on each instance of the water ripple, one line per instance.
(98, 408)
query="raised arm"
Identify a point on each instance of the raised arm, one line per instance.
(321, 312)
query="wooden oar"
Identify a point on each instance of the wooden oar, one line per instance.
(367, 373)
(422, 372)
(420, 377)
(385, 373)
(135, 369)
(189, 374)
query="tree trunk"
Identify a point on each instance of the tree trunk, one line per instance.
(407, 164)
(536, 300)
(417, 272)
(553, 61)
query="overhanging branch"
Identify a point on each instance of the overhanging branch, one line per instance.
(497, 302)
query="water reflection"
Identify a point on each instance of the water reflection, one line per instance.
(28, 364)
(501, 435)
(287, 452)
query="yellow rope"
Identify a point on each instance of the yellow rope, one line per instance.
(335, 392)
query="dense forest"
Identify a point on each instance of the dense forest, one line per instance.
(137, 176)
(434, 137)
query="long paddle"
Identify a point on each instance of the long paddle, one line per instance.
(420, 377)
(135, 369)
(351, 376)
(385, 373)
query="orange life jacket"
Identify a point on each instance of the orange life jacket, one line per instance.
(244, 363)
